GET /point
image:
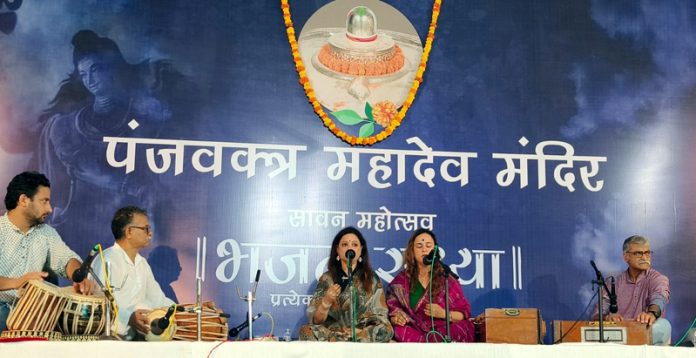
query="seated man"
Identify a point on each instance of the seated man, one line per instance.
(27, 244)
(134, 287)
(642, 293)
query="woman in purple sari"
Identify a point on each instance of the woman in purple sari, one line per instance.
(414, 317)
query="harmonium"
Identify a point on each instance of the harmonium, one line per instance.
(626, 332)
(510, 325)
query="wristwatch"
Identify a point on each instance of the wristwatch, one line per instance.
(655, 313)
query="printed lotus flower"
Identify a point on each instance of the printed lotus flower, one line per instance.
(384, 112)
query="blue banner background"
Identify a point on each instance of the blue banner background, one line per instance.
(612, 80)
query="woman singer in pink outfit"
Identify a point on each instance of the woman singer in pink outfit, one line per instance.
(410, 306)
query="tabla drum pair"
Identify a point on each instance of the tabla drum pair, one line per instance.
(183, 326)
(84, 317)
(44, 307)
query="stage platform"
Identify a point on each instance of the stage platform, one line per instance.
(103, 349)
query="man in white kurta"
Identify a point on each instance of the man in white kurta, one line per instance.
(134, 287)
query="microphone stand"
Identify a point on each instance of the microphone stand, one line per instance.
(613, 307)
(445, 274)
(250, 298)
(352, 300)
(107, 294)
(199, 309)
(200, 277)
(600, 283)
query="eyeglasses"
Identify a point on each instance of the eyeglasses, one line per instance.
(637, 254)
(146, 228)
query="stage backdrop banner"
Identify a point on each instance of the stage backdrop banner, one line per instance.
(530, 137)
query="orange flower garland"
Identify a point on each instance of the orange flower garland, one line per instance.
(328, 123)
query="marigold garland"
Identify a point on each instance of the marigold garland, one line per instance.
(328, 123)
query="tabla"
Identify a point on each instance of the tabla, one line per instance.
(83, 315)
(213, 326)
(168, 333)
(38, 308)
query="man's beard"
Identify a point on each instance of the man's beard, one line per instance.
(36, 220)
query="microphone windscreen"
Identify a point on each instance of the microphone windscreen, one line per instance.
(155, 327)
(432, 256)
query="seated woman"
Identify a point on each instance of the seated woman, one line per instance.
(414, 317)
(329, 309)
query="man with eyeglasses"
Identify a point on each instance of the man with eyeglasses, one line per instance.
(642, 293)
(134, 287)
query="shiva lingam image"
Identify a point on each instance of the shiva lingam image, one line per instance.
(360, 63)
(359, 53)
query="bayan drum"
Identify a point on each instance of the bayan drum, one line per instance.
(214, 326)
(38, 308)
(167, 333)
(83, 315)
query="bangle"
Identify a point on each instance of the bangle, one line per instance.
(323, 304)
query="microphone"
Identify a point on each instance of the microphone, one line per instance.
(432, 256)
(159, 325)
(350, 255)
(234, 332)
(80, 274)
(613, 306)
(256, 283)
(599, 274)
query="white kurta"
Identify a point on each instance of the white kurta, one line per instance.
(133, 284)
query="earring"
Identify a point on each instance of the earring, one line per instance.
(359, 259)
(338, 258)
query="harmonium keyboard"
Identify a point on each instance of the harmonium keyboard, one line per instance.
(626, 332)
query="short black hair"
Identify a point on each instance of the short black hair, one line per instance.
(122, 218)
(26, 183)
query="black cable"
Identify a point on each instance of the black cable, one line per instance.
(578, 319)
